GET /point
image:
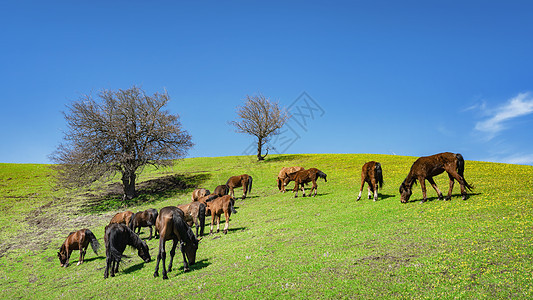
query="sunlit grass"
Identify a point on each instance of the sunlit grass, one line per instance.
(325, 247)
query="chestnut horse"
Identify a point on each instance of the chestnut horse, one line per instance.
(171, 225)
(143, 219)
(303, 177)
(283, 178)
(194, 213)
(426, 167)
(373, 175)
(122, 218)
(219, 206)
(221, 190)
(117, 237)
(243, 180)
(78, 240)
(197, 193)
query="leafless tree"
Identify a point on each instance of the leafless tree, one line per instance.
(261, 118)
(121, 133)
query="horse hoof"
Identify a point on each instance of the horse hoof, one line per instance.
(156, 275)
(225, 231)
(165, 276)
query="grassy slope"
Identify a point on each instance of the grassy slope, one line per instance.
(328, 246)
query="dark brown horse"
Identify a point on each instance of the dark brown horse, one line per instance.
(303, 177)
(117, 237)
(221, 190)
(194, 213)
(283, 178)
(143, 219)
(171, 226)
(78, 240)
(122, 218)
(243, 180)
(197, 193)
(426, 167)
(219, 206)
(373, 175)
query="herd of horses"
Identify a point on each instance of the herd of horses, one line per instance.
(175, 222)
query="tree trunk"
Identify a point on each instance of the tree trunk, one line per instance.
(259, 148)
(128, 181)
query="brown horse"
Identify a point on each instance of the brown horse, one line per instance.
(283, 178)
(171, 225)
(243, 180)
(373, 175)
(194, 213)
(303, 177)
(197, 193)
(221, 190)
(122, 218)
(117, 237)
(426, 167)
(143, 219)
(78, 240)
(219, 206)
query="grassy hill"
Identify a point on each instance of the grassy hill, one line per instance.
(329, 246)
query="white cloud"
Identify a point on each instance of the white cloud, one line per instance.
(526, 159)
(518, 106)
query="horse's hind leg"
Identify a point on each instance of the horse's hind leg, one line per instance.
(172, 253)
(361, 189)
(82, 255)
(451, 187)
(226, 226)
(150, 237)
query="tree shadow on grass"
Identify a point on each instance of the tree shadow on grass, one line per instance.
(150, 191)
(284, 157)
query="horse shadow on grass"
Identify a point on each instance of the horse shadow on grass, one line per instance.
(435, 198)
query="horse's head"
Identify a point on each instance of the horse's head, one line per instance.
(405, 192)
(191, 247)
(62, 255)
(144, 252)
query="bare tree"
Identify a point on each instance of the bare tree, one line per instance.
(123, 132)
(261, 118)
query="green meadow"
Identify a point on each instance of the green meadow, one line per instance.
(278, 246)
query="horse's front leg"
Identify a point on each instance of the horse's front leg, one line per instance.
(369, 194)
(213, 219)
(295, 190)
(150, 237)
(185, 264)
(423, 187)
(303, 190)
(315, 187)
(434, 185)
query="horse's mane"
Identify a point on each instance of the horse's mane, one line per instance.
(184, 230)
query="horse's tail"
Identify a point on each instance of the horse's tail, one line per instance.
(322, 175)
(92, 240)
(379, 174)
(201, 217)
(250, 181)
(461, 170)
(132, 220)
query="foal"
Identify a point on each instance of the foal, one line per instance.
(194, 213)
(143, 219)
(426, 167)
(305, 176)
(243, 180)
(117, 237)
(283, 178)
(373, 175)
(219, 206)
(78, 240)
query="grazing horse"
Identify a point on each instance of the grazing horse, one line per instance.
(243, 180)
(221, 190)
(117, 237)
(171, 225)
(303, 177)
(373, 175)
(219, 206)
(143, 219)
(78, 240)
(122, 218)
(194, 213)
(426, 167)
(197, 193)
(283, 178)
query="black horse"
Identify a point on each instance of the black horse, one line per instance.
(116, 238)
(171, 225)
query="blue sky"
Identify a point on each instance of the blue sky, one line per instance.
(385, 77)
